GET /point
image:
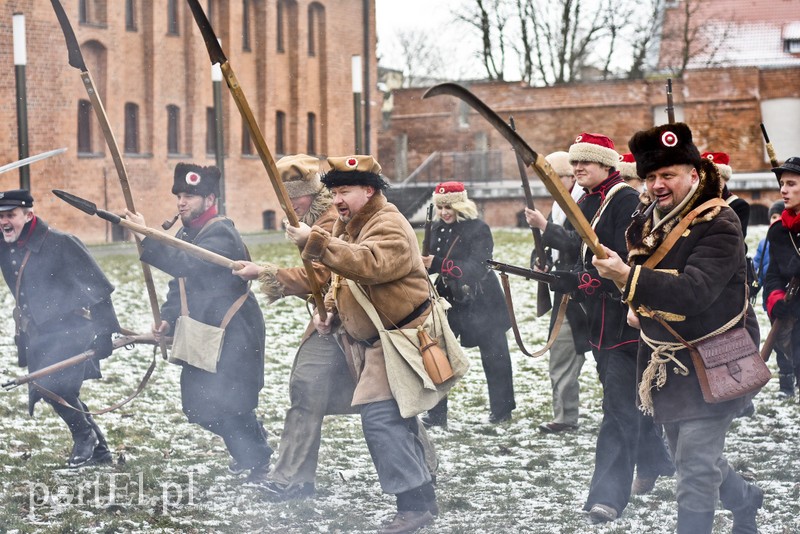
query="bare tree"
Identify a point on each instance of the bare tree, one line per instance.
(688, 38)
(490, 18)
(422, 60)
(644, 35)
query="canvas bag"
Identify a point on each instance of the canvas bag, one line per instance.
(410, 384)
(197, 343)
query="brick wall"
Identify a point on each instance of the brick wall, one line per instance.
(153, 69)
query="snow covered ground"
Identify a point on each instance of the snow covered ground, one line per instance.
(170, 476)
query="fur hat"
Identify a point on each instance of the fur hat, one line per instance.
(300, 175)
(560, 163)
(16, 198)
(776, 209)
(354, 170)
(594, 147)
(449, 193)
(662, 146)
(627, 167)
(195, 180)
(722, 161)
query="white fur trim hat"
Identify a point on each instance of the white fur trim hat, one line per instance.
(299, 174)
(627, 167)
(449, 193)
(594, 147)
(722, 161)
(560, 163)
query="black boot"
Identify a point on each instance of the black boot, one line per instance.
(84, 439)
(436, 416)
(102, 454)
(744, 500)
(691, 522)
(786, 385)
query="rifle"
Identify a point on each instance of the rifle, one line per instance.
(530, 274)
(123, 341)
(670, 107)
(543, 302)
(198, 252)
(75, 60)
(426, 236)
(794, 283)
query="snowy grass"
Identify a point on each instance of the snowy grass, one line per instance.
(170, 476)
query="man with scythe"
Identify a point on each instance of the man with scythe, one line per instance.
(63, 307)
(219, 385)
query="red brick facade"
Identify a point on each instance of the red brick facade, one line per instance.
(722, 106)
(153, 67)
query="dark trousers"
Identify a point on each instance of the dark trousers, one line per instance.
(244, 437)
(617, 441)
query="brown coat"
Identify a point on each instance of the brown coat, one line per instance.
(379, 250)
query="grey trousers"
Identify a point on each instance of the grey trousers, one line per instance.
(697, 447)
(396, 447)
(320, 384)
(565, 366)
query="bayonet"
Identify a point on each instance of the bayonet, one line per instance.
(31, 159)
(216, 55)
(76, 60)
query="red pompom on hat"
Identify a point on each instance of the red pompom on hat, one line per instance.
(448, 193)
(722, 161)
(627, 167)
(594, 147)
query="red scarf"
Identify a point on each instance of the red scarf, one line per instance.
(206, 216)
(791, 221)
(22, 240)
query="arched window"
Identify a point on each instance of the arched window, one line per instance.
(279, 30)
(172, 17)
(130, 15)
(85, 127)
(311, 139)
(246, 25)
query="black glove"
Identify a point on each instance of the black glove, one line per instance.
(781, 310)
(102, 346)
(794, 265)
(566, 282)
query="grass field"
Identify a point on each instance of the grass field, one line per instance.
(170, 476)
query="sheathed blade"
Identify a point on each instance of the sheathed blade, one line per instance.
(522, 148)
(32, 159)
(212, 44)
(76, 202)
(75, 56)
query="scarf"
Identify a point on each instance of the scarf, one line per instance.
(791, 221)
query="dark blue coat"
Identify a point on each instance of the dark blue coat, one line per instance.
(65, 300)
(466, 281)
(210, 292)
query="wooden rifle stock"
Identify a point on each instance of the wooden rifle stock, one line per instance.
(426, 236)
(543, 302)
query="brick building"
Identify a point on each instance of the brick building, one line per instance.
(152, 71)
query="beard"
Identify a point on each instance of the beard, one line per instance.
(192, 215)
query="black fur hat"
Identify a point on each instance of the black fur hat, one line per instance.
(195, 180)
(662, 146)
(354, 170)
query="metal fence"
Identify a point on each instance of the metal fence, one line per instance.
(478, 167)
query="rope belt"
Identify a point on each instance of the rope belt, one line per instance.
(655, 375)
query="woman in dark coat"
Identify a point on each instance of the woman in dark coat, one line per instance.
(461, 244)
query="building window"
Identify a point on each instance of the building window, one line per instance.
(210, 12)
(247, 141)
(92, 12)
(211, 133)
(279, 29)
(84, 127)
(130, 15)
(791, 46)
(280, 132)
(131, 128)
(172, 17)
(173, 129)
(246, 25)
(311, 144)
(312, 31)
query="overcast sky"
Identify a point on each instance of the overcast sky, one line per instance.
(433, 16)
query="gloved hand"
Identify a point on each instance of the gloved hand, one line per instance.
(566, 282)
(102, 346)
(781, 310)
(589, 283)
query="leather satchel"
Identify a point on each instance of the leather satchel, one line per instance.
(729, 366)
